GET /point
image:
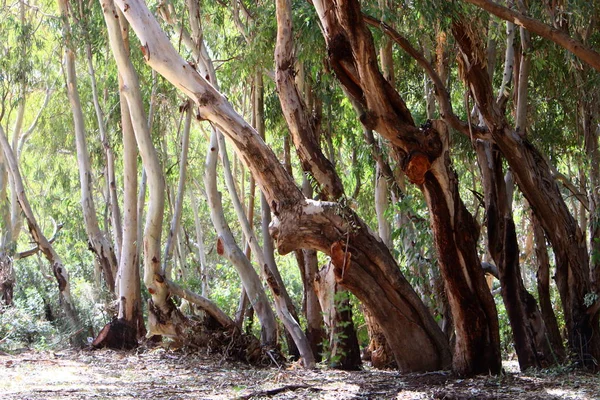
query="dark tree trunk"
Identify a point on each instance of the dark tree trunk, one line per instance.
(534, 178)
(529, 331)
(7, 280)
(543, 287)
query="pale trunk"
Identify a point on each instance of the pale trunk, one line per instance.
(97, 242)
(159, 304)
(200, 254)
(176, 220)
(111, 181)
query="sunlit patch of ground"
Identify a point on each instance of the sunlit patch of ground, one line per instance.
(161, 374)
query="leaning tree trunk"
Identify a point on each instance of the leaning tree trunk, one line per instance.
(268, 268)
(58, 268)
(529, 330)
(305, 137)
(423, 155)
(535, 180)
(227, 245)
(366, 268)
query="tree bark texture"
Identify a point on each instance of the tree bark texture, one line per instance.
(543, 287)
(161, 307)
(344, 352)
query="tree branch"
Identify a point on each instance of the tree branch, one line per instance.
(36, 249)
(446, 112)
(557, 36)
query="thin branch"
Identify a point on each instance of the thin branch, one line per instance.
(36, 249)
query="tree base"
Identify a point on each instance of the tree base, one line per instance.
(118, 335)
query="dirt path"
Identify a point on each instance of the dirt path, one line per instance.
(161, 374)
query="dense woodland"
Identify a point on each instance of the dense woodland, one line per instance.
(413, 184)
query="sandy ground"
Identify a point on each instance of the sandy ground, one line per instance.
(163, 374)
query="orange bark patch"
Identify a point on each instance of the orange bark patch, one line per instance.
(418, 165)
(340, 259)
(220, 247)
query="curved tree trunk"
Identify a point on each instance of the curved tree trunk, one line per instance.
(372, 274)
(59, 270)
(161, 308)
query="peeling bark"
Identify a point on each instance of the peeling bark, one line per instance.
(424, 158)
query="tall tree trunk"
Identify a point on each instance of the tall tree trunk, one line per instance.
(130, 296)
(529, 330)
(534, 177)
(268, 248)
(543, 287)
(97, 241)
(111, 181)
(161, 308)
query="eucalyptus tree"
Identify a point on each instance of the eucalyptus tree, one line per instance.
(20, 36)
(300, 222)
(535, 179)
(58, 268)
(99, 244)
(424, 159)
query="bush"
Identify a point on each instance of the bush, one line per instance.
(25, 324)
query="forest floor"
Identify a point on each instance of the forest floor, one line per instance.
(164, 374)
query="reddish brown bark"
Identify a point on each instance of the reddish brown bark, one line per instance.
(422, 153)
